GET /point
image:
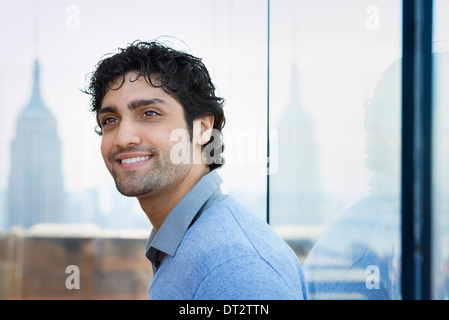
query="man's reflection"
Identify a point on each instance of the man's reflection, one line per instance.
(358, 256)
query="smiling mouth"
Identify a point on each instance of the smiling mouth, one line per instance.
(134, 160)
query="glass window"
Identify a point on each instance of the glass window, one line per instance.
(68, 40)
(333, 95)
(440, 263)
(52, 170)
(335, 103)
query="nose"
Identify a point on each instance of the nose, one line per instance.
(127, 134)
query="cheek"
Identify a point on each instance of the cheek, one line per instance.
(105, 149)
(160, 138)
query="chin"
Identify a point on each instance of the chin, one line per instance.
(134, 192)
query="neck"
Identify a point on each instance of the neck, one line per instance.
(158, 204)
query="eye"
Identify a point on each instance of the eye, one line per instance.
(149, 113)
(108, 120)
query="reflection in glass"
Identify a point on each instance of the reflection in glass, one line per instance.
(358, 255)
(440, 177)
(440, 187)
(335, 102)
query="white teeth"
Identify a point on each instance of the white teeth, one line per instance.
(134, 160)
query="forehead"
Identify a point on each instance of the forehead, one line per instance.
(133, 87)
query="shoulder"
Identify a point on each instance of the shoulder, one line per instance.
(246, 278)
(220, 233)
(238, 251)
(230, 228)
(230, 253)
(348, 250)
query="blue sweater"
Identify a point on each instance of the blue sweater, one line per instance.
(229, 253)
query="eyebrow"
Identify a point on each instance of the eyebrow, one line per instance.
(133, 105)
(145, 102)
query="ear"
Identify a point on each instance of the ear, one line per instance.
(207, 124)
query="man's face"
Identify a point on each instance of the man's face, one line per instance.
(137, 120)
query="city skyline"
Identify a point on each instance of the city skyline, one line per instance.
(82, 206)
(72, 39)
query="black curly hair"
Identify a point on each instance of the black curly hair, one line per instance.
(176, 72)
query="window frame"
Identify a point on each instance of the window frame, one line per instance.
(416, 177)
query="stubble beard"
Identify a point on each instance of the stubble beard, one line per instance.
(137, 183)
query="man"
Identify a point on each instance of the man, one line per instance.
(204, 244)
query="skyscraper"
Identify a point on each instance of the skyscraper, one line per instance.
(296, 187)
(35, 191)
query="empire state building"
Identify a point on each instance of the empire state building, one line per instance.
(35, 192)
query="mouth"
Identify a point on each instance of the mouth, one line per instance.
(133, 161)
